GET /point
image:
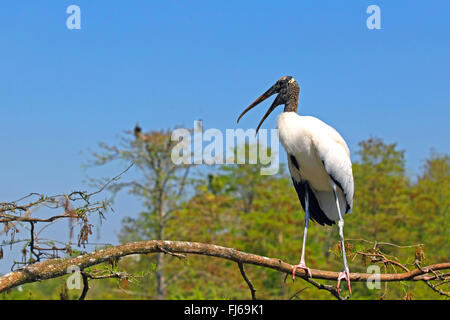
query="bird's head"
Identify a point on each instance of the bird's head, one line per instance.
(288, 91)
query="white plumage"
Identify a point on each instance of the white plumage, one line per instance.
(321, 153)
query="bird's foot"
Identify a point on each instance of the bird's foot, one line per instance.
(344, 275)
(303, 266)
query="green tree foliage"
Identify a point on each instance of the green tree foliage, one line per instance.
(430, 200)
(381, 191)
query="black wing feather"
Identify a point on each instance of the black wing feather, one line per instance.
(315, 212)
(347, 208)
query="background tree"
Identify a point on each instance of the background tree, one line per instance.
(160, 187)
(430, 201)
(398, 223)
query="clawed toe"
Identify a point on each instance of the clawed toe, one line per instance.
(301, 266)
(344, 275)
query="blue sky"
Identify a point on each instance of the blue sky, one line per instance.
(167, 63)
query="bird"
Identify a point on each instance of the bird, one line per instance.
(137, 131)
(319, 164)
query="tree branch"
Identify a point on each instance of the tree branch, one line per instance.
(58, 267)
(85, 286)
(249, 283)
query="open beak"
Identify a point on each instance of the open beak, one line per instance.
(274, 89)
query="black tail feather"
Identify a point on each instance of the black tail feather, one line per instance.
(315, 212)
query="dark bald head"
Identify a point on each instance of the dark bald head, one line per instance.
(288, 92)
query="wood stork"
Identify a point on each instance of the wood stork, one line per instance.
(319, 164)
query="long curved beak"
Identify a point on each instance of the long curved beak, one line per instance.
(263, 97)
(275, 104)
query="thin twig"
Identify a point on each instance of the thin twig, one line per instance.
(385, 260)
(178, 255)
(111, 180)
(326, 287)
(376, 243)
(428, 283)
(85, 286)
(249, 283)
(297, 293)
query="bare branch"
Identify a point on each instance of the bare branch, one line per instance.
(297, 293)
(329, 288)
(85, 286)
(428, 283)
(58, 267)
(249, 283)
(117, 177)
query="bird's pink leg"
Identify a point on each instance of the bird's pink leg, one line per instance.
(344, 275)
(303, 266)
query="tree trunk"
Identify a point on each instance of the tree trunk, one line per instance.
(161, 286)
(160, 278)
